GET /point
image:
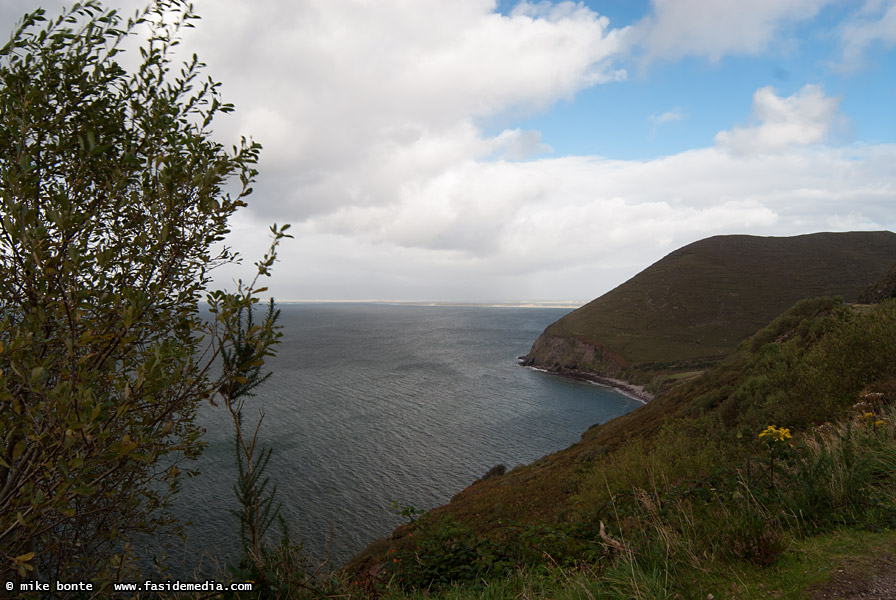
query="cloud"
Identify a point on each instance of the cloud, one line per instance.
(804, 118)
(714, 28)
(551, 210)
(666, 117)
(514, 144)
(875, 23)
(502, 225)
(360, 105)
(573, 227)
(342, 89)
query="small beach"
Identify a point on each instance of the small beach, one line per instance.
(626, 388)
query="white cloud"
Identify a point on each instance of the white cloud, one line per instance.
(514, 144)
(666, 117)
(850, 221)
(876, 22)
(355, 102)
(714, 28)
(573, 227)
(806, 117)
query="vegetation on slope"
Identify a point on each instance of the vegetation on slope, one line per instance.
(880, 290)
(696, 304)
(791, 437)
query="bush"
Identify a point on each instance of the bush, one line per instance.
(111, 191)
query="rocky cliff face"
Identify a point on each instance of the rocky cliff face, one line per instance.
(696, 304)
(572, 355)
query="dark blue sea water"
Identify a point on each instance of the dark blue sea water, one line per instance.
(371, 404)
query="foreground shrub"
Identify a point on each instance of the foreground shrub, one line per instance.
(111, 192)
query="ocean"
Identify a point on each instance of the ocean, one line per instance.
(370, 405)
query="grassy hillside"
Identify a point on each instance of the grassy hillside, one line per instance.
(785, 446)
(697, 303)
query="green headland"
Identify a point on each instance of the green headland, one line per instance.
(694, 306)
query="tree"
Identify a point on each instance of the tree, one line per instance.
(257, 509)
(112, 191)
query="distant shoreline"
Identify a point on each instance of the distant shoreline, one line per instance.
(626, 388)
(571, 304)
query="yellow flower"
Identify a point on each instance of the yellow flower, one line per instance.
(775, 434)
(874, 420)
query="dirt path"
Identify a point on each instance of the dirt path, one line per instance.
(862, 578)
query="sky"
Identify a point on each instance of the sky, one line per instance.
(504, 151)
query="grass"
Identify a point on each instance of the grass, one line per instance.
(808, 564)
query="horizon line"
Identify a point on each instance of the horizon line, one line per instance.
(497, 304)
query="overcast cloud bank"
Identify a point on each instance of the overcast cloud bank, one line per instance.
(375, 121)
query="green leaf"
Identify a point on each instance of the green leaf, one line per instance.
(18, 449)
(25, 162)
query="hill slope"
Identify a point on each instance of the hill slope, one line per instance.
(698, 302)
(668, 479)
